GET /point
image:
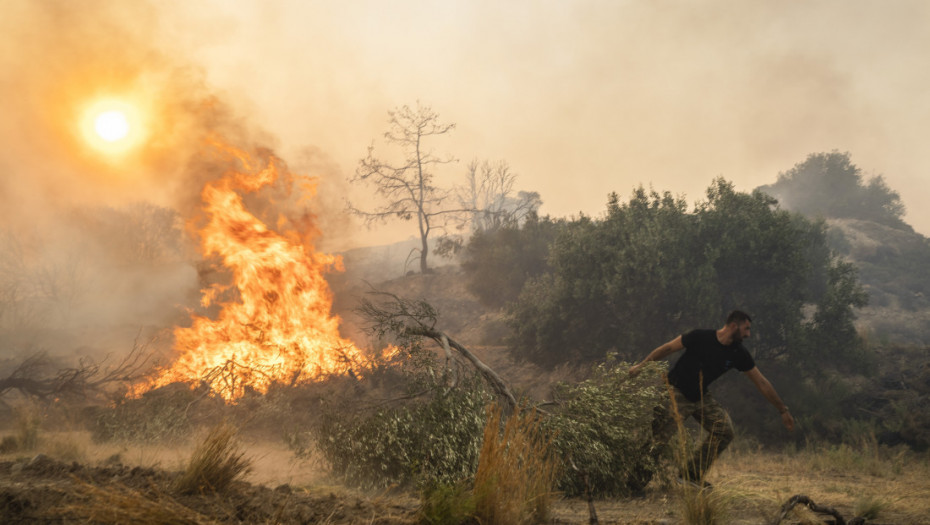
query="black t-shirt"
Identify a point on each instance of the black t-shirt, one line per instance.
(705, 359)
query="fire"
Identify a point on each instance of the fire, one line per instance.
(280, 327)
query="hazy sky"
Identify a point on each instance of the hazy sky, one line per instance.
(581, 98)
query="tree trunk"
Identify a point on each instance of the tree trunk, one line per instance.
(424, 251)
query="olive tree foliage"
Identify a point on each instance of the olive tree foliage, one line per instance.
(426, 427)
(407, 186)
(829, 185)
(651, 269)
(617, 283)
(602, 427)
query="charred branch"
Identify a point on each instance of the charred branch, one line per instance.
(801, 499)
(32, 379)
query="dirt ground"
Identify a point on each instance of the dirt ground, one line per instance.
(753, 486)
(69, 479)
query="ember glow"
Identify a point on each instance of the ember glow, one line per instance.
(279, 328)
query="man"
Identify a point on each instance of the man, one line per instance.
(708, 354)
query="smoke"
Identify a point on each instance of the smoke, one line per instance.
(587, 97)
(96, 247)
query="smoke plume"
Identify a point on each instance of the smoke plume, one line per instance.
(96, 248)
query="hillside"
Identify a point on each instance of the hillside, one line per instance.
(894, 268)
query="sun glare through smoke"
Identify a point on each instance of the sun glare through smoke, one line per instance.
(112, 125)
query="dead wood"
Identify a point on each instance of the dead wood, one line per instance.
(406, 319)
(489, 374)
(801, 499)
(33, 378)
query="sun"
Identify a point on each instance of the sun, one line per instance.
(112, 125)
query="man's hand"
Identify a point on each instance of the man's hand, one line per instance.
(787, 420)
(659, 353)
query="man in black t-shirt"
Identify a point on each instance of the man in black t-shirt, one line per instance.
(708, 354)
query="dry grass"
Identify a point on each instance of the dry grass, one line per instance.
(215, 464)
(704, 506)
(118, 504)
(699, 505)
(516, 471)
(769, 479)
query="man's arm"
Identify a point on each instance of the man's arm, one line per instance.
(659, 353)
(769, 392)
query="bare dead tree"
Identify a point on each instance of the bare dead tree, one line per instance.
(32, 378)
(489, 191)
(408, 187)
(408, 318)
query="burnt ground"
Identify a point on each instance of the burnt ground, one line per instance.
(43, 490)
(752, 487)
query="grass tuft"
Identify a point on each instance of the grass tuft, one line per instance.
(445, 504)
(705, 506)
(869, 507)
(216, 463)
(516, 470)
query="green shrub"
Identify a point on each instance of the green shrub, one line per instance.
(432, 439)
(603, 430)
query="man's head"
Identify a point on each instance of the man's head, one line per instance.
(739, 323)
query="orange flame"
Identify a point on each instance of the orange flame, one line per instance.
(280, 330)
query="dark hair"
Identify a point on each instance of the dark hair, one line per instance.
(738, 316)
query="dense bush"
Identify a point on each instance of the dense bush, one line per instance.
(498, 262)
(602, 430)
(651, 269)
(431, 439)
